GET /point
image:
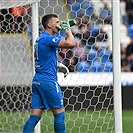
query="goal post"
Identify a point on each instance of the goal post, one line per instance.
(117, 67)
(92, 99)
(35, 33)
(6, 4)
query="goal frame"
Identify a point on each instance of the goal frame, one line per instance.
(35, 33)
(117, 66)
(116, 60)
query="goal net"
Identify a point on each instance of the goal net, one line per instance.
(88, 88)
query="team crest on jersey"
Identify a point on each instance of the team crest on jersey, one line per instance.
(55, 39)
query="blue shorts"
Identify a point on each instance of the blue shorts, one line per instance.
(46, 94)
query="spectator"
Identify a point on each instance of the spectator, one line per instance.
(105, 13)
(68, 58)
(79, 50)
(17, 13)
(83, 65)
(129, 49)
(64, 56)
(123, 12)
(83, 25)
(88, 38)
(123, 52)
(101, 40)
(27, 14)
(130, 30)
(129, 53)
(131, 62)
(72, 64)
(129, 11)
(124, 63)
(87, 9)
(124, 66)
(75, 29)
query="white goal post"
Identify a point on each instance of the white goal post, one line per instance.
(84, 95)
(117, 67)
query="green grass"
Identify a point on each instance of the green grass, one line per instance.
(127, 119)
(76, 122)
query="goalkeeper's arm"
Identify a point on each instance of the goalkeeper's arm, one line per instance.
(63, 68)
(69, 41)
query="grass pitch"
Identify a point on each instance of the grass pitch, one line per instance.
(76, 122)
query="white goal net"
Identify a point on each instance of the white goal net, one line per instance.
(87, 90)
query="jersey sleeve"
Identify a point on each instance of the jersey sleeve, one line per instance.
(53, 41)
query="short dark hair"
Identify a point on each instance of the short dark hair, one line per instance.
(46, 19)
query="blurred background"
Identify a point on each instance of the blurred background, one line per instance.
(90, 63)
(93, 34)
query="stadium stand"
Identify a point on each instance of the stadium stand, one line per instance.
(86, 34)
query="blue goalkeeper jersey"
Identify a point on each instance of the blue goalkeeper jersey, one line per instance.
(45, 57)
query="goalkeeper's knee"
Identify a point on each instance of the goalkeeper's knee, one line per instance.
(31, 123)
(59, 124)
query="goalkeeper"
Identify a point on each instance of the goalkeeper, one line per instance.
(46, 92)
(61, 67)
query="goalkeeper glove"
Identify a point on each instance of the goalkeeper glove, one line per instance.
(63, 68)
(64, 25)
